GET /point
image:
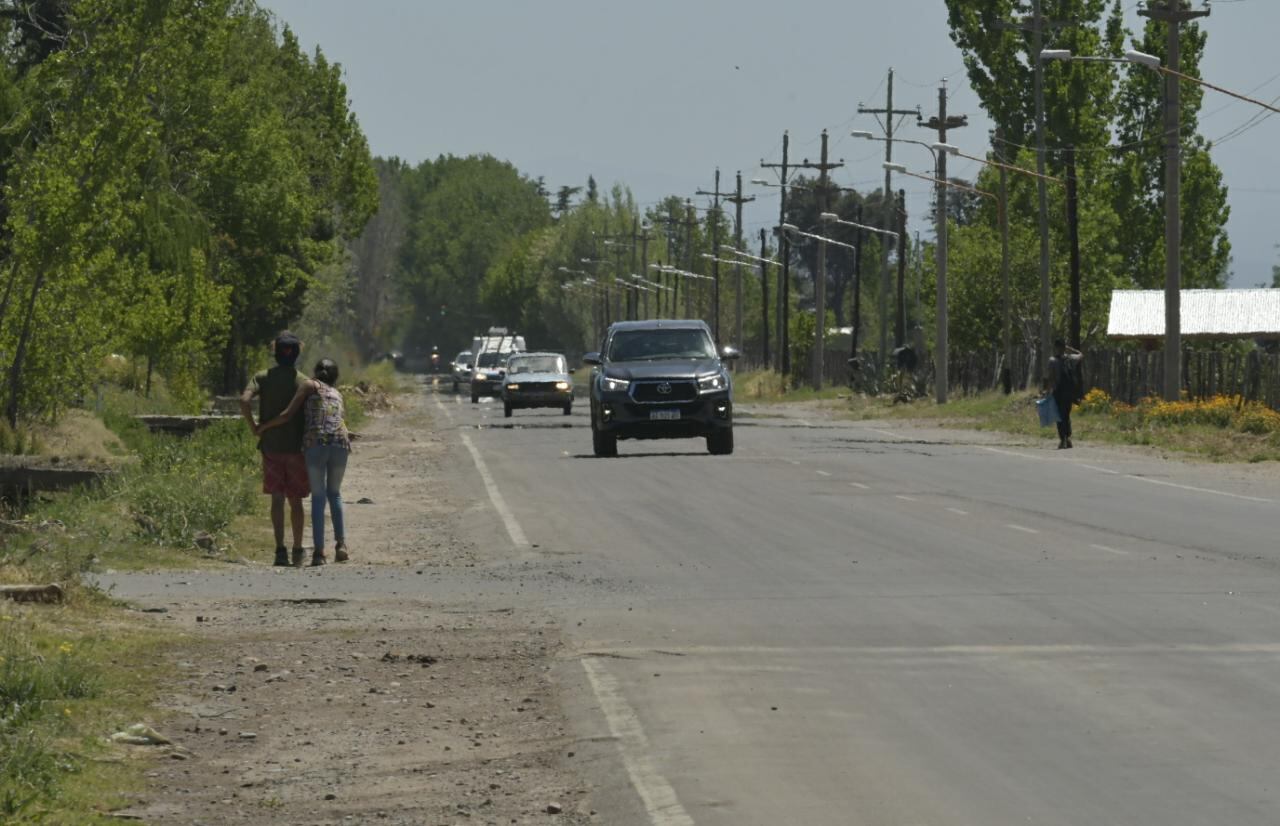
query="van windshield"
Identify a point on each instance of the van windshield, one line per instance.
(491, 359)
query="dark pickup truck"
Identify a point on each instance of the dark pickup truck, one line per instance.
(661, 380)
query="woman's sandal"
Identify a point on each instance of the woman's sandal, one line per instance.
(340, 553)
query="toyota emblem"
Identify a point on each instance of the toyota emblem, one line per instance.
(665, 388)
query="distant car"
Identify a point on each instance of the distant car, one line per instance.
(537, 380)
(461, 369)
(661, 380)
(487, 374)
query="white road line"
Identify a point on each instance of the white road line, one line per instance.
(885, 433)
(1199, 490)
(806, 423)
(906, 498)
(859, 486)
(957, 512)
(1012, 453)
(1014, 527)
(1149, 480)
(499, 504)
(794, 462)
(822, 473)
(659, 798)
(1109, 550)
(444, 409)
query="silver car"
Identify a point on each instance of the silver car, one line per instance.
(537, 380)
(461, 369)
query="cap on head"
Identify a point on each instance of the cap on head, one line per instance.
(1059, 343)
(287, 348)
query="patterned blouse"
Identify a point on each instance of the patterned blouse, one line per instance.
(326, 423)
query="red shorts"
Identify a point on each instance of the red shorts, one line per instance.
(285, 474)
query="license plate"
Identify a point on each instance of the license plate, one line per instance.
(664, 415)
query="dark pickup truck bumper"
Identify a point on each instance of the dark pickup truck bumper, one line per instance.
(618, 413)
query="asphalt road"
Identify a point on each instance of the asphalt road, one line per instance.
(865, 624)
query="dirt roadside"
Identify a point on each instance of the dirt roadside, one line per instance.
(387, 708)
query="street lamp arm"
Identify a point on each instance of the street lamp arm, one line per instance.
(1206, 84)
(951, 184)
(831, 217)
(1008, 166)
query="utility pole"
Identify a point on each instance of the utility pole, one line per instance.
(820, 278)
(1174, 15)
(640, 236)
(889, 127)
(716, 195)
(857, 283)
(784, 277)
(900, 326)
(1006, 330)
(690, 224)
(1073, 231)
(942, 122)
(764, 299)
(1042, 195)
(737, 200)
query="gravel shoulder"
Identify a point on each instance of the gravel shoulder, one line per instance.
(390, 689)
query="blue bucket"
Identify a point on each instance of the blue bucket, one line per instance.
(1048, 410)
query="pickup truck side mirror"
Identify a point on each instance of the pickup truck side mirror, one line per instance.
(591, 358)
(572, 370)
(729, 353)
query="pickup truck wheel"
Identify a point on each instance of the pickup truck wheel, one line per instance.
(568, 409)
(604, 444)
(720, 443)
(506, 411)
(475, 397)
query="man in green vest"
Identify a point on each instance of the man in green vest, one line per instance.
(284, 470)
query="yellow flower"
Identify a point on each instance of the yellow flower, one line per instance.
(6, 618)
(65, 648)
(66, 712)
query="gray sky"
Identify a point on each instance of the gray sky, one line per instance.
(656, 95)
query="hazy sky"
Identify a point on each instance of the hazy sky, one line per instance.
(657, 94)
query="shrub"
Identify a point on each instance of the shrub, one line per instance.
(1257, 419)
(1096, 401)
(182, 487)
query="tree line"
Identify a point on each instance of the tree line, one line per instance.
(462, 243)
(173, 176)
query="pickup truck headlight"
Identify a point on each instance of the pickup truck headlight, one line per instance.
(707, 384)
(562, 385)
(614, 385)
(513, 387)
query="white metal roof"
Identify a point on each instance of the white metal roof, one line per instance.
(1205, 313)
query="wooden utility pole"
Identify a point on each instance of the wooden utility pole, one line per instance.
(889, 128)
(900, 327)
(1174, 14)
(784, 275)
(1006, 327)
(942, 122)
(764, 298)
(715, 195)
(820, 277)
(737, 200)
(1073, 231)
(857, 283)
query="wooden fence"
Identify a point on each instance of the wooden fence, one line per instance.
(1126, 375)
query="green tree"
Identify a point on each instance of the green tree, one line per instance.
(465, 211)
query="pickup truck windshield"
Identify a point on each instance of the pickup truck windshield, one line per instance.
(659, 345)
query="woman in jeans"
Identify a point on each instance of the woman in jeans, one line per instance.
(326, 446)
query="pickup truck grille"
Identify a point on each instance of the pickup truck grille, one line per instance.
(652, 392)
